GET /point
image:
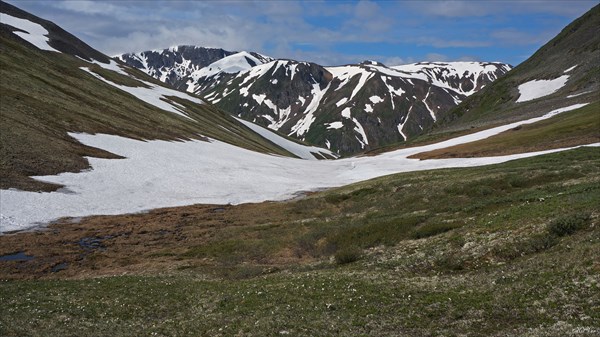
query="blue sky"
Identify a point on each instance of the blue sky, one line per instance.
(326, 32)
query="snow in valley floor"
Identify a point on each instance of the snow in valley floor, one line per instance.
(163, 174)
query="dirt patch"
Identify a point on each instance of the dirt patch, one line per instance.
(152, 242)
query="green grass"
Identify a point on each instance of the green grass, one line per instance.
(572, 128)
(447, 252)
(568, 224)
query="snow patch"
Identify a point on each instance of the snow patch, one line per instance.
(334, 125)
(346, 113)
(152, 94)
(568, 70)
(35, 33)
(579, 94)
(400, 126)
(304, 124)
(441, 73)
(231, 64)
(346, 73)
(302, 151)
(431, 113)
(375, 99)
(259, 98)
(540, 88)
(359, 128)
(341, 102)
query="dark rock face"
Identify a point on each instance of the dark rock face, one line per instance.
(348, 109)
(174, 65)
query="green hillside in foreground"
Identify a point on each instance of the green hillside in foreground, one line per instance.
(502, 250)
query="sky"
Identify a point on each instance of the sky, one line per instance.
(325, 32)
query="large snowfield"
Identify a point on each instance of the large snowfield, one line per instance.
(162, 174)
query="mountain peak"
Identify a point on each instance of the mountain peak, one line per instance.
(373, 63)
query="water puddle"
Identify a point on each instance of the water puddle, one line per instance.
(19, 256)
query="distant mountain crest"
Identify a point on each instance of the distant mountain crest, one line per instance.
(350, 108)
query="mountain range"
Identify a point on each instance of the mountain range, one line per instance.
(348, 109)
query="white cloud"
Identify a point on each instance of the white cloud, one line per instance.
(326, 32)
(435, 57)
(513, 36)
(449, 43)
(88, 7)
(457, 8)
(366, 9)
(396, 61)
(469, 58)
(453, 8)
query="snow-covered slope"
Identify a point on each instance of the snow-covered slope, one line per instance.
(31, 32)
(54, 84)
(45, 35)
(350, 108)
(539, 88)
(162, 173)
(465, 78)
(192, 68)
(302, 151)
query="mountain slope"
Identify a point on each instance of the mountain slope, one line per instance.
(68, 87)
(348, 109)
(192, 68)
(351, 108)
(564, 71)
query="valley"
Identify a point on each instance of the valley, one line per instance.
(195, 191)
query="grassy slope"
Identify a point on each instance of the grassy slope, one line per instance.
(573, 128)
(456, 251)
(577, 44)
(45, 95)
